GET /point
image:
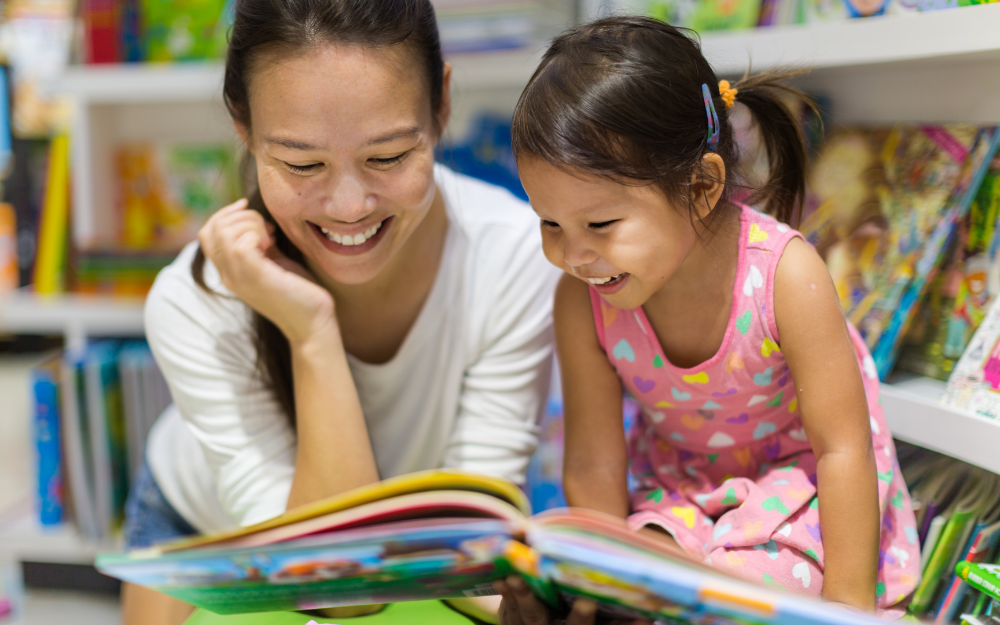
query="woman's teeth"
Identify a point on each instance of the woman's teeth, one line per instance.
(348, 239)
(599, 281)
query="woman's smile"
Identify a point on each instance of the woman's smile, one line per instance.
(352, 242)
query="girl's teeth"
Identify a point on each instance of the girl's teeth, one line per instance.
(351, 240)
(599, 281)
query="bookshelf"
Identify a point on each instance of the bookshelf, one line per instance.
(75, 316)
(22, 538)
(923, 67)
(906, 41)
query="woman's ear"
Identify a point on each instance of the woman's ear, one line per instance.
(244, 134)
(708, 183)
(443, 114)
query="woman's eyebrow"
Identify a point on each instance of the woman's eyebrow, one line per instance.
(396, 134)
(291, 144)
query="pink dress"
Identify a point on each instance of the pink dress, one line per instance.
(720, 454)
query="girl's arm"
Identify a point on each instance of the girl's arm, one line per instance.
(834, 409)
(595, 464)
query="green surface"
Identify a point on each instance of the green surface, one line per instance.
(395, 614)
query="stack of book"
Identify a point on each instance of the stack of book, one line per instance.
(958, 519)
(92, 413)
(883, 205)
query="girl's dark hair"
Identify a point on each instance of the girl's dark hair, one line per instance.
(622, 97)
(297, 25)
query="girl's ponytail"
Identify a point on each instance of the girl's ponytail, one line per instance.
(780, 131)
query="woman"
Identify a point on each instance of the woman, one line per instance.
(366, 314)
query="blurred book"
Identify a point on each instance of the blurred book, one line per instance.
(882, 206)
(961, 293)
(974, 385)
(52, 250)
(486, 25)
(93, 412)
(181, 30)
(485, 153)
(25, 189)
(166, 192)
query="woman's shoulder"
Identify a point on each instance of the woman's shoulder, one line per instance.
(176, 302)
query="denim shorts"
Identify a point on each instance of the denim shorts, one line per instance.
(149, 517)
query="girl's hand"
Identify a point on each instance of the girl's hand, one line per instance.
(241, 246)
(520, 606)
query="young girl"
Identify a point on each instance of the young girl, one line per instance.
(762, 447)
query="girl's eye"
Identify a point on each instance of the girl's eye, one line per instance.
(386, 163)
(302, 169)
(549, 224)
(601, 225)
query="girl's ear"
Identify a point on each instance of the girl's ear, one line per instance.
(707, 184)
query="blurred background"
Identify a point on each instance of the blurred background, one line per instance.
(115, 147)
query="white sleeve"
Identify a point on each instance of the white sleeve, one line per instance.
(505, 388)
(203, 344)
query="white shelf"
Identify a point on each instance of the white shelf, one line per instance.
(185, 82)
(75, 316)
(22, 538)
(952, 35)
(915, 416)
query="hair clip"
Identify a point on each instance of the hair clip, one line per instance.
(713, 118)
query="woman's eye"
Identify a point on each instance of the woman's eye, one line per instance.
(385, 163)
(302, 169)
(601, 225)
(549, 224)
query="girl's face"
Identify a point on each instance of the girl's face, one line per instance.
(344, 139)
(626, 241)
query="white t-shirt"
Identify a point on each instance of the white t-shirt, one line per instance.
(464, 391)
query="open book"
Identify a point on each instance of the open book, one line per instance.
(447, 534)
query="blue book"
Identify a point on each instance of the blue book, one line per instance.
(45, 390)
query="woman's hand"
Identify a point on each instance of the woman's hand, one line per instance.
(520, 606)
(241, 246)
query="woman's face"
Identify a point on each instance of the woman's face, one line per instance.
(626, 241)
(344, 138)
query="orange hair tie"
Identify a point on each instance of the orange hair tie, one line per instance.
(728, 93)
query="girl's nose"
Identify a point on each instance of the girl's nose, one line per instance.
(576, 253)
(347, 199)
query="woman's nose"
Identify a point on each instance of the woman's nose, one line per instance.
(348, 200)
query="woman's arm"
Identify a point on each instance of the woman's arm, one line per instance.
(333, 452)
(595, 463)
(834, 409)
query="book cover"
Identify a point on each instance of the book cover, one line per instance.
(45, 391)
(107, 433)
(882, 205)
(76, 446)
(448, 534)
(102, 36)
(53, 230)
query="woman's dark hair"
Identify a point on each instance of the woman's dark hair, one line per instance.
(292, 26)
(622, 97)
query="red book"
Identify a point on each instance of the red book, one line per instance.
(101, 31)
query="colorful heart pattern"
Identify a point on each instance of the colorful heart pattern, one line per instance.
(736, 416)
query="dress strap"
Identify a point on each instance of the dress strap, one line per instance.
(595, 305)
